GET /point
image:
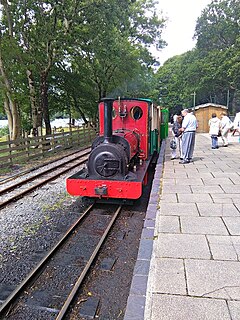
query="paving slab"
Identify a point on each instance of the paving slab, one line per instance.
(182, 246)
(169, 224)
(170, 276)
(222, 198)
(207, 189)
(236, 243)
(222, 248)
(198, 175)
(176, 189)
(170, 307)
(215, 279)
(234, 308)
(217, 181)
(190, 182)
(218, 209)
(203, 225)
(195, 198)
(178, 209)
(233, 225)
(169, 198)
(169, 181)
(177, 175)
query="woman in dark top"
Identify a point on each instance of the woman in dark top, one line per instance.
(177, 137)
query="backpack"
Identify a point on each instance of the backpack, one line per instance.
(173, 144)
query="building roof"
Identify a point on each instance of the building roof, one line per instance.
(206, 105)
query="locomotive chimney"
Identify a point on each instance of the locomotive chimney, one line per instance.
(108, 106)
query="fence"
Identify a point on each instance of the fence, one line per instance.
(27, 148)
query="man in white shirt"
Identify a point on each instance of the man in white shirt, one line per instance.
(226, 124)
(189, 127)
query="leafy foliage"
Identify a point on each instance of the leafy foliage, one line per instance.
(211, 70)
(65, 55)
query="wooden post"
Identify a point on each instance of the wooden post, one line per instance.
(89, 135)
(80, 131)
(53, 141)
(84, 134)
(26, 143)
(10, 151)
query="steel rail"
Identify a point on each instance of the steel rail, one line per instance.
(10, 188)
(39, 184)
(14, 295)
(4, 180)
(79, 281)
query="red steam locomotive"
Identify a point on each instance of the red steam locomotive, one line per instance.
(120, 156)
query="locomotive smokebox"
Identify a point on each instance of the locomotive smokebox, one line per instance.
(108, 106)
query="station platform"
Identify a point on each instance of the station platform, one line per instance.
(188, 265)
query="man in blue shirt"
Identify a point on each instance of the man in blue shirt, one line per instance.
(189, 127)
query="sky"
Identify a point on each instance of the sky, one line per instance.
(179, 31)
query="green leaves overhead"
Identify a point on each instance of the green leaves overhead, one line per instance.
(100, 44)
(212, 68)
(219, 25)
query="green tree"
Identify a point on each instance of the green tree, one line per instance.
(217, 34)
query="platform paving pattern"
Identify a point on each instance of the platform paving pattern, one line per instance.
(195, 264)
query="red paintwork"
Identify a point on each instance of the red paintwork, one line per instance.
(128, 123)
(132, 140)
(115, 189)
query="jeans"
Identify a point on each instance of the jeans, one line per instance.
(214, 141)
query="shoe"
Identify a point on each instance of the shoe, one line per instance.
(181, 158)
(184, 161)
(214, 148)
(173, 158)
(225, 145)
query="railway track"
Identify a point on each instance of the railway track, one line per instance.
(20, 188)
(59, 275)
(34, 168)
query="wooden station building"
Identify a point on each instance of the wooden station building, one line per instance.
(204, 112)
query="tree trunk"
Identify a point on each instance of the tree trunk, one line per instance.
(9, 115)
(44, 102)
(80, 111)
(235, 101)
(10, 105)
(36, 110)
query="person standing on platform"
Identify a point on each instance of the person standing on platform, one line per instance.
(177, 136)
(189, 127)
(226, 124)
(214, 127)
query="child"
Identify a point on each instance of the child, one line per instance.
(214, 127)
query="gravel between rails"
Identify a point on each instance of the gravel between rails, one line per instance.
(30, 227)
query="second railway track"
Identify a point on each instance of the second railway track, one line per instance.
(19, 189)
(51, 287)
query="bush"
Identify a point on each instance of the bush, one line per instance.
(4, 131)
